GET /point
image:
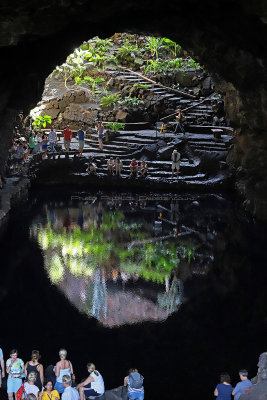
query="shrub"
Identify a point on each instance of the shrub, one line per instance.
(115, 126)
(110, 100)
(132, 101)
(41, 121)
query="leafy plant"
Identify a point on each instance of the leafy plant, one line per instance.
(154, 44)
(193, 64)
(41, 122)
(91, 82)
(115, 126)
(174, 47)
(108, 101)
(131, 101)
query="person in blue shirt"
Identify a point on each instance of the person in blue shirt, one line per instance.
(243, 385)
(224, 389)
(2, 367)
(80, 137)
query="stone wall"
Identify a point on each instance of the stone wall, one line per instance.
(229, 37)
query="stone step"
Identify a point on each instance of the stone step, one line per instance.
(208, 143)
(213, 148)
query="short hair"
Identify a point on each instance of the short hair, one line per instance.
(32, 376)
(66, 379)
(225, 377)
(243, 372)
(31, 396)
(13, 351)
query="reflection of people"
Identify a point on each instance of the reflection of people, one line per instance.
(134, 383)
(243, 385)
(67, 221)
(63, 367)
(223, 390)
(93, 385)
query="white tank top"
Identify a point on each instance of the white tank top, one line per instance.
(63, 372)
(98, 384)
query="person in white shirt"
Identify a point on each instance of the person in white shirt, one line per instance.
(69, 393)
(93, 385)
(30, 387)
(52, 139)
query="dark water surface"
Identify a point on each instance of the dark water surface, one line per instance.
(173, 285)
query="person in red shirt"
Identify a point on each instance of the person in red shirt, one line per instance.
(133, 166)
(67, 137)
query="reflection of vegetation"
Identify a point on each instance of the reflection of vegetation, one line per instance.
(82, 252)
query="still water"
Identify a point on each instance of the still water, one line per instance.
(171, 284)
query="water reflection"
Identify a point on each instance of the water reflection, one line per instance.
(115, 261)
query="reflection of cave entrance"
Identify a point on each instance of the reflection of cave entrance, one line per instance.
(135, 84)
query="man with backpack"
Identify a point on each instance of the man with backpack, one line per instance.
(134, 382)
(175, 157)
(180, 122)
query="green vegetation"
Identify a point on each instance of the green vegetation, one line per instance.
(91, 82)
(115, 126)
(81, 252)
(108, 101)
(132, 101)
(142, 86)
(41, 122)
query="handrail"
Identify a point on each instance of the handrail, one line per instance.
(189, 96)
(188, 108)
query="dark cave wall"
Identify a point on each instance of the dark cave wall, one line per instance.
(228, 37)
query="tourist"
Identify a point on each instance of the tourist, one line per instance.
(30, 387)
(49, 393)
(175, 157)
(37, 142)
(32, 141)
(224, 389)
(63, 367)
(134, 383)
(26, 152)
(242, 386)
(18, 157)
(14, 369)
(80, 136)
(44, 145)
(118, 166)
(100, 131)
(93, 385)
(2, 362)
(69, 393)
(133, 166)
(35, 366)
(52, 139)
(111, 165)
(67, 137)
(180, 122)
(143, 168)
(91, 167)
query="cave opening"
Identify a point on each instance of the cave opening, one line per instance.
(224, 245)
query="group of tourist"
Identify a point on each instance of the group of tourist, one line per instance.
(224, 389)
(59, 381)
